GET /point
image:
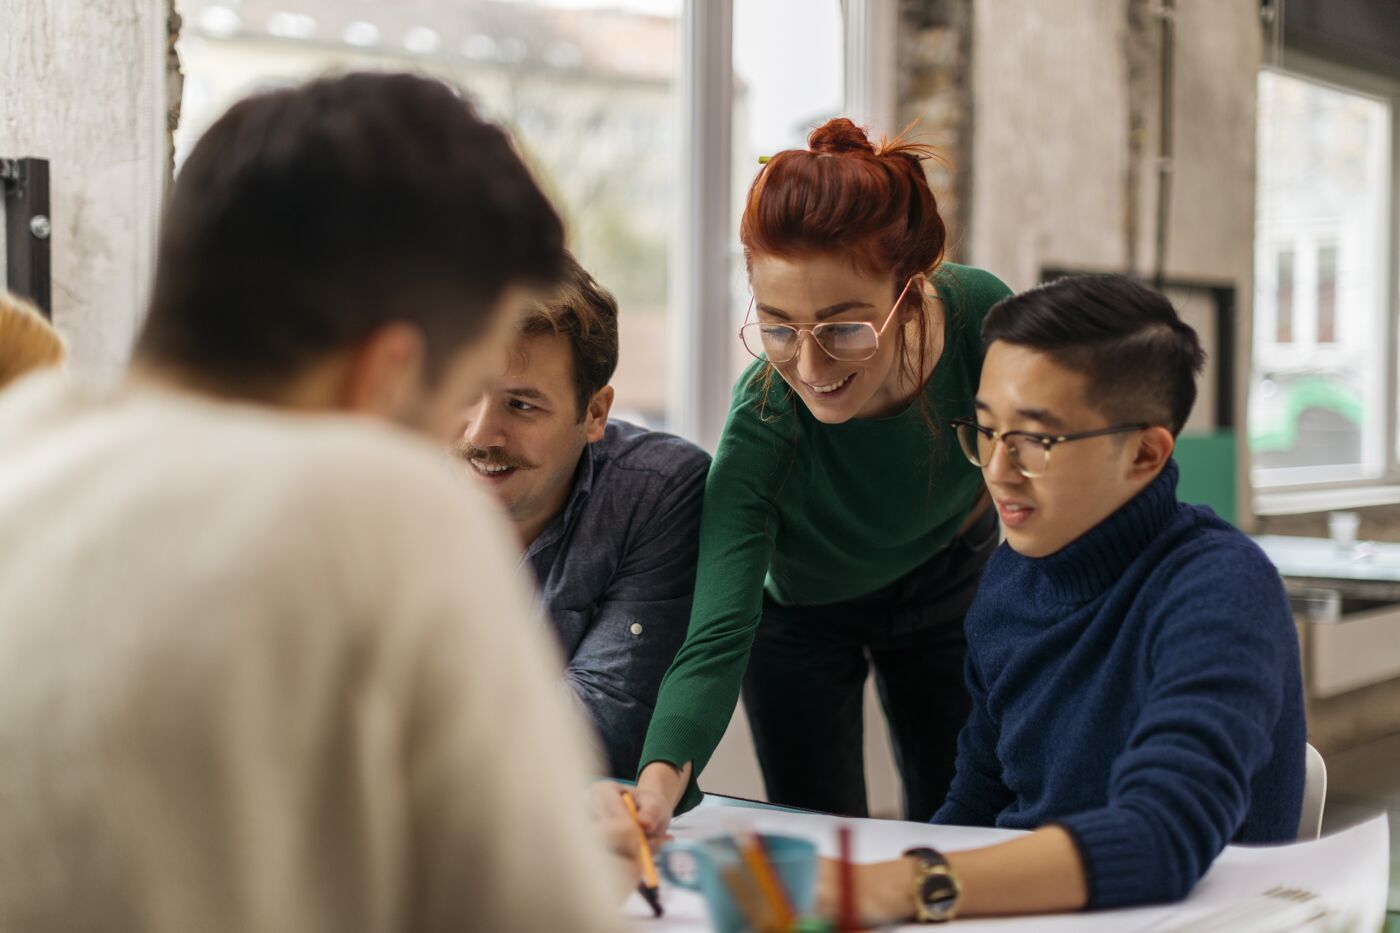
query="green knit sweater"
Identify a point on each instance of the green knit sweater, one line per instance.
(815, 514)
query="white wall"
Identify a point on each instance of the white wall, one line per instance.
(1050, 138)
(1052, 155)
(82, 84)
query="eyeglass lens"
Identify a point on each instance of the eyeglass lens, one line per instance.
(843, 341)
(1028, 455)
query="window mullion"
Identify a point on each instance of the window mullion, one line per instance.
(1391, 329)
(700, 333)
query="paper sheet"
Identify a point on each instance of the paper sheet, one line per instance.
(1349, 870)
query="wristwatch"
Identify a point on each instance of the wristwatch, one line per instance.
(937, 894)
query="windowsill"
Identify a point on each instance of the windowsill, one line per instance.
(1301, 501)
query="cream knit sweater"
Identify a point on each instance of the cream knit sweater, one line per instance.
(265, 671)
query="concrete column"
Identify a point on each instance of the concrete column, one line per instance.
(87, 85)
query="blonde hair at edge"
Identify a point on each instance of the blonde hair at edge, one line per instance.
(27, 342)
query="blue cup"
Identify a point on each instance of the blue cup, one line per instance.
(794, 860)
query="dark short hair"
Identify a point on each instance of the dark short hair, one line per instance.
(1140, 358)
(586, 313)
(306, 218)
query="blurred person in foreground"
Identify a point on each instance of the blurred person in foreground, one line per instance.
(27, 342)
(608, 512)
(262, 664)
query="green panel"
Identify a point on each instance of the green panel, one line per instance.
(1207, 462)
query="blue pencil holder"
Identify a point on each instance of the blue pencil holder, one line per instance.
(699, 866)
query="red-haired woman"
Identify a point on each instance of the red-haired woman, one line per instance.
(842, 527)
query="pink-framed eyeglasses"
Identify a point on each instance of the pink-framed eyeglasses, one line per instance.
(849, 341)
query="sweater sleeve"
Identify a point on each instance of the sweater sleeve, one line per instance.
(493, 758)
(737, 530)
(977, 793)
(1218, 652)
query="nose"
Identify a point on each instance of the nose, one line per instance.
(485, 428)
(811, 360)
(1001, 469)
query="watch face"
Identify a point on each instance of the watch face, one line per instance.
(938, 892)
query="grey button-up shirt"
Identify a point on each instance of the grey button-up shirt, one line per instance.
(616, 571)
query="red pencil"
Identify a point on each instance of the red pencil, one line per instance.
(847, 921)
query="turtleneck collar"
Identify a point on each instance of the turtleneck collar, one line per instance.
(1093, 562)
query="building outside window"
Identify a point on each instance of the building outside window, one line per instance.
(1322, 407)
(587, 89)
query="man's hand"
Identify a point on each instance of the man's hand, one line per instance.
(618, 828)
(659, 788)
(884, 891)
(618, 832)
(1038, 873)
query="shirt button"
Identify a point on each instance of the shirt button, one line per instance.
(636, 628)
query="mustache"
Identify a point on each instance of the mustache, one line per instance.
(491, 456)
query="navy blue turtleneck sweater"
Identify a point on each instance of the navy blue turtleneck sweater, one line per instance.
(1141, 687)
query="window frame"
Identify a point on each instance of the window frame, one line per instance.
(702, 250)
(1303, 494)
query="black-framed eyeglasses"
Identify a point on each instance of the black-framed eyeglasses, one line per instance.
(1029, 451)
(851, 341)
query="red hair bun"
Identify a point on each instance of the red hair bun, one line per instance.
(844, 195)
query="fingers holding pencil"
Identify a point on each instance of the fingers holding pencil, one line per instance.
(650, 886)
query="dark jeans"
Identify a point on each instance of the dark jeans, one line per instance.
(804, 686)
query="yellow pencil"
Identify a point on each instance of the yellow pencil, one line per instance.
(650, 886)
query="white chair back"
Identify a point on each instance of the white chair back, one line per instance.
(1314, 796)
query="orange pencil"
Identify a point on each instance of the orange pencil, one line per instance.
(755, 856)
(650, 886)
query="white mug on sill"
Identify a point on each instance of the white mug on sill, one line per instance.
(1342, 528)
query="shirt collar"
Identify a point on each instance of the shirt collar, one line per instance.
(560, 524)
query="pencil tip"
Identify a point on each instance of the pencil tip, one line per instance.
(653, 897)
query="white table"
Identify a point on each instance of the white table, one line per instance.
(1349, 870)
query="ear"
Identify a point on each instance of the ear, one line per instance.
(1151, 453)
(596, 418)
(918, 288)
(385, 372)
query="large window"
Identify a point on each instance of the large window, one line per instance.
(587, 88)
(614, 103)
(784, 91)
(1322, 404)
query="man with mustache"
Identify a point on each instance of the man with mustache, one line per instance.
(608, 513)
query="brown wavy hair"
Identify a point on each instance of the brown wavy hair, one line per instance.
(586, 313)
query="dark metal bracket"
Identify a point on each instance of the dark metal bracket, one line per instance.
(28, 230)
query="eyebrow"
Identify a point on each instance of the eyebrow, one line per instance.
(823, 314)
(1034, 414)
(526, 393)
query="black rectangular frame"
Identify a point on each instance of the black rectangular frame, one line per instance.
(28, 230)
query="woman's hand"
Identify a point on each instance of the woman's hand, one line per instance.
(658, 789)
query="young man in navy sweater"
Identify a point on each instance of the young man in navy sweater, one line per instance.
(1134, 670)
